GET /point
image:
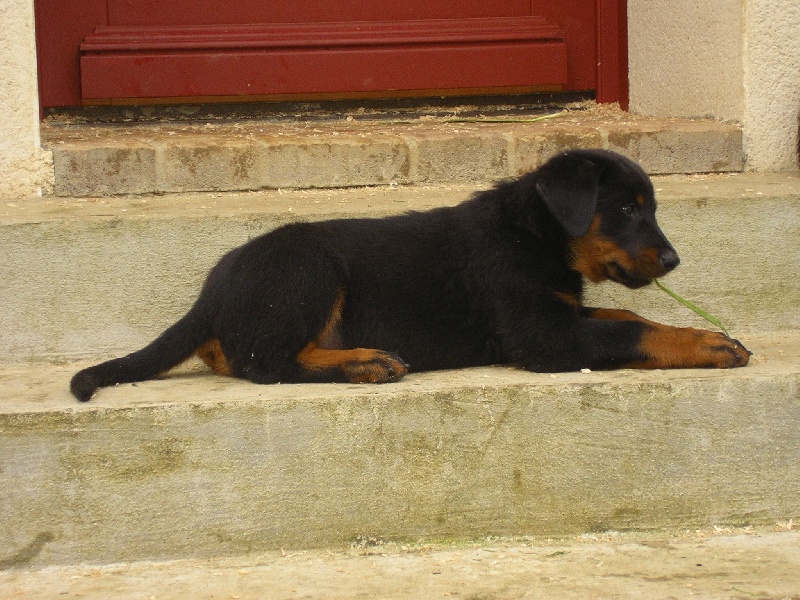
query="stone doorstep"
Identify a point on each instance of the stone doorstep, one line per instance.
(195, 465)
(254, 155)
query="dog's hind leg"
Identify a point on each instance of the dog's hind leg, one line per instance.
(325, 358)
(360, 365)
(281, 318)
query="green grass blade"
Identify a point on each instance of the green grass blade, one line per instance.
(706, 315)
(481, 119)
(504, 119)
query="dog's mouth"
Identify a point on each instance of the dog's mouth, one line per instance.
(616, 272)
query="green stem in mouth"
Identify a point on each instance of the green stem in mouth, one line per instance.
(706, 315)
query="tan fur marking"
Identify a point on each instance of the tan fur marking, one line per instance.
(669, 347)
(567, 298)
(673, 347)
(360, 365)
(593, 253)
(211, 354)
(330, 336)
(315, 358)
(597, 257)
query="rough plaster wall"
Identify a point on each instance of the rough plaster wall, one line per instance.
(25, 169)
(771, 84)
(727, 59)
(686, 58)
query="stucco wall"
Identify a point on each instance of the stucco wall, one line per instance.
(728, 59)
(25, 169)
(685, 58)
(771, 83)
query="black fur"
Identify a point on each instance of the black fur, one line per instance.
(491, 280)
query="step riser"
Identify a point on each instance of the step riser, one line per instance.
(92, 288)
(356, 156)
(96, 484)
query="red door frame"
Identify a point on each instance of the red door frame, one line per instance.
(59, 63)
(612, 52)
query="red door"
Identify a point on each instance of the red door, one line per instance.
(133, 51)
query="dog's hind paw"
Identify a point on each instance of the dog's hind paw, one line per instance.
(380, 367)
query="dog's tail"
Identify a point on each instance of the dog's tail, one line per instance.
(168, 350)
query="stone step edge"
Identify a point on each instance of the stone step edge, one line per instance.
(602, 566)
(70, 264)
(199, 466)
(277, 156)
(32, 388)
(357, 201)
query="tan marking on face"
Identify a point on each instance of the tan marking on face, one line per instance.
(593, 254)
(648, 263)
(597, 257)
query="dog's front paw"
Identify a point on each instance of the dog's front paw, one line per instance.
(723, 352)
(667, 347)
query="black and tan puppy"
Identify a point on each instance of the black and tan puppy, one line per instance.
(496, 279)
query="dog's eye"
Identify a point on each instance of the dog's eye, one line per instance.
(629, 210)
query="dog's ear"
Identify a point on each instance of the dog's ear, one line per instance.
(568, 185)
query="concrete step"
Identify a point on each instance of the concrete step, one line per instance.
(198, 466)
(254, 154)
(90, 278)
(195, 465)
(702, 564)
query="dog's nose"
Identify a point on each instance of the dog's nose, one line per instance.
(669, 259)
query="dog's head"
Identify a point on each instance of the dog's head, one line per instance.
(606, 205)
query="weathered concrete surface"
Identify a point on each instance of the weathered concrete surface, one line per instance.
(87, 278)
(196, 465)
(718, 565)
(254, 155)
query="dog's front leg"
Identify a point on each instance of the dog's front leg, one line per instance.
(666, 347)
